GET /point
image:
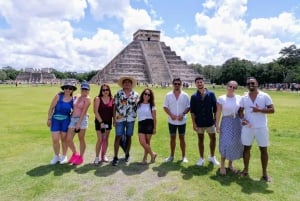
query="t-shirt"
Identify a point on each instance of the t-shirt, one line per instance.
(144, 111)
(256, 119)
(230, 105)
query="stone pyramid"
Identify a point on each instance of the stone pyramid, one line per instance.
(148, 60)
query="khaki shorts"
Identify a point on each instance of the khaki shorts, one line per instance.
(260, 134)
(211, 129)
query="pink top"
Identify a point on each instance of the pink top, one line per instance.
(78, 106)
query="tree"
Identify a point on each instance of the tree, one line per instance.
(11, 73)
(236, 69)
(3, 75)
(289, 60)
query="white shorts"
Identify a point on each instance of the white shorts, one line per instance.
(84, 122)
(260, 134)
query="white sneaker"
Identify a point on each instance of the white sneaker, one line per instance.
(200, 162)
(185, 160)
(169, 159)
(54, 160)
(213, 160)
(63, 160)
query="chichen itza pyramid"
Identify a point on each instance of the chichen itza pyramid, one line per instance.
(148, 60)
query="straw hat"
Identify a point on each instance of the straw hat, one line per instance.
(69, 84)
(122, 79)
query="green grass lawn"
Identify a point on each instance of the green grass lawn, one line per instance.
(26, 150)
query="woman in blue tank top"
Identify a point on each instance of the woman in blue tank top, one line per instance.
(58, 120)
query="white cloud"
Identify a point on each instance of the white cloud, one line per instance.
(43, 33)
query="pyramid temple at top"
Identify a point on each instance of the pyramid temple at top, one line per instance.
(148, 60)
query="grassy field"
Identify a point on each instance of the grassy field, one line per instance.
(26, 151)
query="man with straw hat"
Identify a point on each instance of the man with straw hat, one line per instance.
(124, 115)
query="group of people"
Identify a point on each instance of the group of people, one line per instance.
(238, 119)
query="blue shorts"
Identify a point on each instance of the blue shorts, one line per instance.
(173, 128)
(84, 122)
(124, 127)
(60, 125)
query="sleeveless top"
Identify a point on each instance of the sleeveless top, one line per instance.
(62, 109)
(106, 110)
(78, 106)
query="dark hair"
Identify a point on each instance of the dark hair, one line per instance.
(252, 78)
(62, 92)
(199, 78)
(151, 100)
(176, 79)
(101, 90)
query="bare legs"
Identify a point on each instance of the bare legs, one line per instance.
(212, 144)
(56, 145)
(145, 142)
(173, 144)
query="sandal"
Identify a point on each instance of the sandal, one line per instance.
(232, 169)
(223, 171)
(266, 178)
(243, 174)
(153, 159)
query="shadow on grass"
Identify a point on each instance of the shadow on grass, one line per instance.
(249, 185)
(43, 170)
(195, 170)
(188, 172)
(134, 168)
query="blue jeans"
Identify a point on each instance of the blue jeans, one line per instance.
(124, 128)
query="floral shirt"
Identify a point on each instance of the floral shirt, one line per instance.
(126, 106)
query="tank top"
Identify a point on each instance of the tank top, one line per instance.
(62, 109)
(106, 110)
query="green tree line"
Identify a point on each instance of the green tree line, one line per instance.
(285, 69)
(9, 73)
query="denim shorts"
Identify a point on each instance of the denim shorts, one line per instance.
(60, 125)
(124, 128)
(173, 129)
(84, 122)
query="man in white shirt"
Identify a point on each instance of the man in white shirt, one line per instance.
(177, 105)
(254, 106)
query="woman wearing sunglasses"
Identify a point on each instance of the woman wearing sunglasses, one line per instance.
(230, 145)
(58, 120)
(79, 123)
(103, 110)
(146, 112)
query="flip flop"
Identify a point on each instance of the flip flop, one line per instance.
(153, 159)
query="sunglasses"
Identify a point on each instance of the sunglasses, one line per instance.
(176, 84)
(232, 87)
(69, 88)
(147, 94)
(250, 83)
(105, 90)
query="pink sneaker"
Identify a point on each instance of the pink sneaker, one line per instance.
(78, 161)
(73, 157)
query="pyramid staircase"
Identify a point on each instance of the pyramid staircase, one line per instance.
(147, 60)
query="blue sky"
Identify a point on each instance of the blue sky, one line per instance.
(84, 35)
